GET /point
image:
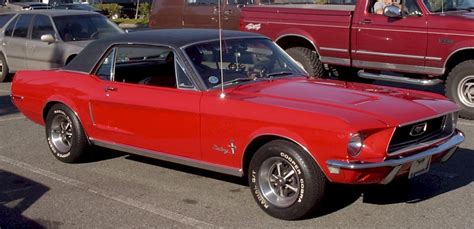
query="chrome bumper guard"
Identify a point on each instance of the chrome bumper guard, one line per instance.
(449, 145)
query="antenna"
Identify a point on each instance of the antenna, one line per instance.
(220, 48)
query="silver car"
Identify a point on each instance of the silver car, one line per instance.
(44, 39)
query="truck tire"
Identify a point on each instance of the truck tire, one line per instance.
(309, 59)
(460, 88)
(285, 181)
(3, 68)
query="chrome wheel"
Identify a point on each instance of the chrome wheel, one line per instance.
(61, 133)
(466, 91)
(279, 182)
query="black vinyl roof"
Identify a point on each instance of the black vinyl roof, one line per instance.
(175, 38)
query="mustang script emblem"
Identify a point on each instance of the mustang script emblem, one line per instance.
(418, 129)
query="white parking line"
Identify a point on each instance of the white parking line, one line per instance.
(119, 198)
(464, 123)
(12, 118)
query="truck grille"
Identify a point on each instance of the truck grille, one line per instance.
(409, 136)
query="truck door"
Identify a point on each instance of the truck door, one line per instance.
(200, 14)
(395, 44)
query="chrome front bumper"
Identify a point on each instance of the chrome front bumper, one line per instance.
(449, 145)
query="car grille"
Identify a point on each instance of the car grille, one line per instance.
(407, 137)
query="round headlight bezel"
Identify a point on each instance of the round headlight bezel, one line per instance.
(355, 145)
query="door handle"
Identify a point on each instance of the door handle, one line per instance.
(366, 21)
(109, 89)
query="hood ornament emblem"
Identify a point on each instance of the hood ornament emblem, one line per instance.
(418, 129)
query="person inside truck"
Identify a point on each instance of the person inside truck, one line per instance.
(381, 4)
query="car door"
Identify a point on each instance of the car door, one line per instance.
(397, 44)
(42, 55)
(14, 42)
(200, 14)
(146, 101)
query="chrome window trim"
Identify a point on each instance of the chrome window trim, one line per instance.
(168, 157)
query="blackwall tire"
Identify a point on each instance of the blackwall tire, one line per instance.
(285, 181)
(65, 135)
(460, 88)
(3, 68)
(309, 59)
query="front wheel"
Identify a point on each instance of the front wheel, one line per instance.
(460, 88)
(285, 181)
(65, 135)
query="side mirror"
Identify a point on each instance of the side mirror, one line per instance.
(48, 38)
(392, 11)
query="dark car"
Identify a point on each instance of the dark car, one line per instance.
(44, 39)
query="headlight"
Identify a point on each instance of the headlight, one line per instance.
(356, 143)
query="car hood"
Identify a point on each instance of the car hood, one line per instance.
(348, 101)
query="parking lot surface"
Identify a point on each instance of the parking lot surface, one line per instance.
(115, 190)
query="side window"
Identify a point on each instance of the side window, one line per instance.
(5, 18)
(183, 80)
(21, 27)
(42, 25)
(411, 7)
(154, 66)
(241, 2)
(106, 70)
(201, 2)
(10, 27)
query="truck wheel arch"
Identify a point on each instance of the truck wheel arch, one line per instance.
(295, 40)
(457, 57)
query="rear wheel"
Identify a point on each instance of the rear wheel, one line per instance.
(285, 181)
(65, 135)
(460, 88)
(3, 68)
(309, 59)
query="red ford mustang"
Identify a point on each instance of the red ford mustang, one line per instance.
(161, 94)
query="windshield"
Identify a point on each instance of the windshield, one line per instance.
(14, 1)
(448, 5)
(84, 27)
(243, 60)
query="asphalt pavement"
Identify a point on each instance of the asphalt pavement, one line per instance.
(115, 190)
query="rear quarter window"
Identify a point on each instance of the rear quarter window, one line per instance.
(5, 18)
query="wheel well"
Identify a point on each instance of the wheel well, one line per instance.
(457, 58)
(255, 145)
(70, 58)
(294, 41)
(48, 107)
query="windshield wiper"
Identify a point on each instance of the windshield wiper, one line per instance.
(236, 80)
(282, 73)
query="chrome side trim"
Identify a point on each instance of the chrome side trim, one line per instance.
(398, 67)
(453, 142)
(399, 79)
(389, 54)
(452, 34)
(334, 49)
(389, 30)
(302, 24)
(168, 157)
(433, 58)
(335, 60)
(91, 113)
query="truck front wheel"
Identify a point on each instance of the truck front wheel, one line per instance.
(309, 59)
(460, 88)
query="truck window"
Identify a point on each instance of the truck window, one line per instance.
(201, 2)
(411, 7)
(241, 2)
(332, 2)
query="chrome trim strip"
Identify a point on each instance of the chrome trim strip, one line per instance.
(399, 79)
(298, 24)
(399, 67)
(433, 58)
(333, 49)
(452, 34)
(334, 60)
(389, 30)
(454, 141)
(389, 54)
(169, 157)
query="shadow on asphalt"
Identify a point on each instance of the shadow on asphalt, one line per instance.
(17, 194)
(6, 106)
